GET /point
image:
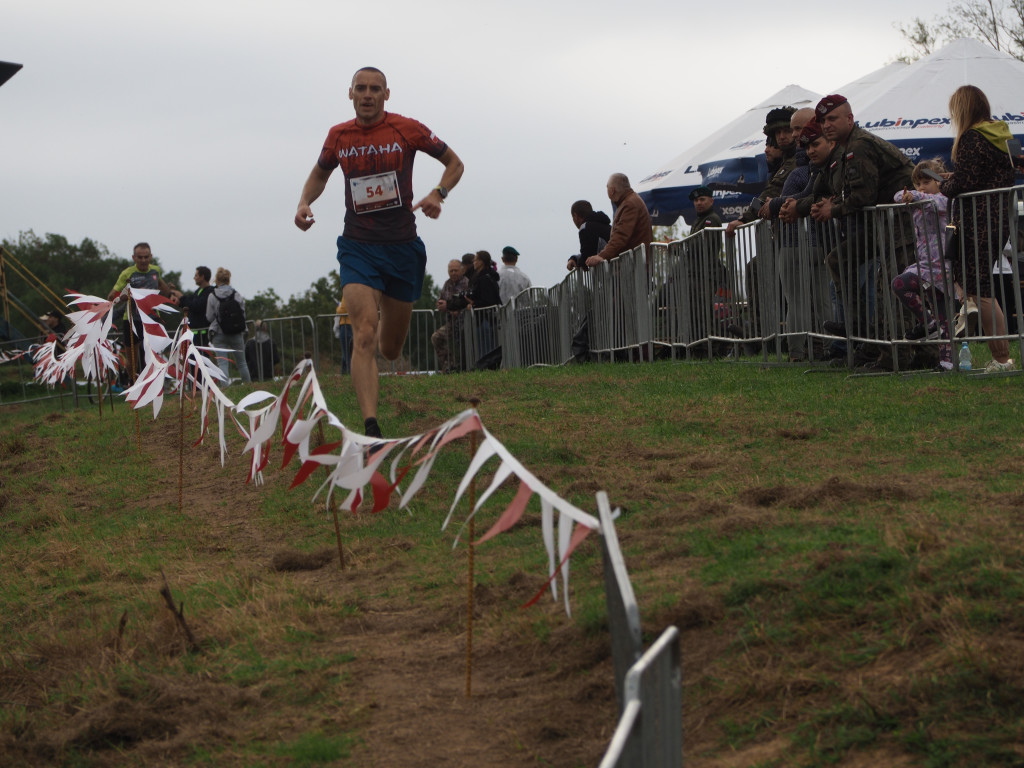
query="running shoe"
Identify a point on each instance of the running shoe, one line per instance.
(994, 366)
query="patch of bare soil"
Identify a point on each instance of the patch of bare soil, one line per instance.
(532, 702)
(402, 684)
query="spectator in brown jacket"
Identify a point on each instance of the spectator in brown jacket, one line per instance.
(631, 225)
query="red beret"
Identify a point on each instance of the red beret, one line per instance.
(828, 103)
(810, 132)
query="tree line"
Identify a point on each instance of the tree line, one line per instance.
(90, 268)
(999, 23)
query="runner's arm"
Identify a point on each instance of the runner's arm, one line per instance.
(167, 290)
(453, 168)
(311, 190)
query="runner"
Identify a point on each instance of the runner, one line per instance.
(382, 259)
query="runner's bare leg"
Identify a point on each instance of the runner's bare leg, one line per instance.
(389, 330)
(394, 326)
(362, 302)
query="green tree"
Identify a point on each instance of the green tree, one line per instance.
(321, 298)
(88, 268)
(61, 266)
(265, 303)
(40, 271)
(999, 23)
(431, 290)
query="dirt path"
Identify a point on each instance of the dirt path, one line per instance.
(532, 702)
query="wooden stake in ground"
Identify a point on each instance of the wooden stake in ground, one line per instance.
(181, 423)
(337, 533)
(131, 368)
(99, 380)
(179, 614)
(334, 503)
(475, 402)
(181, 450)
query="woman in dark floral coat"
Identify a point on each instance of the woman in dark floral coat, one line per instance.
(982, 162)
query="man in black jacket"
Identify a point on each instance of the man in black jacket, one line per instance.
(195, 303)
(595, 228)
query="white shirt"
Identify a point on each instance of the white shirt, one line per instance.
(511, 282)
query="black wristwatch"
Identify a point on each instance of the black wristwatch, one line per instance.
(442, 191)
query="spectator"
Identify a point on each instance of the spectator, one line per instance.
(226, 313)
(512, 280)
(343, 333)
(467, 265)
(631, 224)
(483, 294)
(868, 171)
(196, 303)
(53, 322)
(382, 260)
(447, 339)
(981, 162)
(780, 152)
(704, 204)
(142, 274)
(260, 353)
(56, 329)
(595, 230)
(483, 286)
(801, 268)
(781, 127)
(705, 278)
(929, 276)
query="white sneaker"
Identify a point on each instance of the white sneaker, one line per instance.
(994, 366)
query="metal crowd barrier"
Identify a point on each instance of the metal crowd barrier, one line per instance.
(530, 324)
(765, 293)
(647, 685)
(287, 341)
(619, 327)
(649, 733)
(995, 251)
(16, 372)
(768, 291)
(623, 610)
(334, 345)
(804, 302)
(17, 376)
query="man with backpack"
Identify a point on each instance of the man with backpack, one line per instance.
(226, 313)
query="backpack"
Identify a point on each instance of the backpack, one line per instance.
(230, 314)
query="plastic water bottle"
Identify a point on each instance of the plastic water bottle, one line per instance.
(965, 357)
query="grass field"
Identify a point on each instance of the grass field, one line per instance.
(843, 557)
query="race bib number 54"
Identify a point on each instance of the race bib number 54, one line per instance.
(375, 193)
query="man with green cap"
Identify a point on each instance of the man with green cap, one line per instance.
(704, 204)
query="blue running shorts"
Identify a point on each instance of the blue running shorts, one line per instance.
(394, 269)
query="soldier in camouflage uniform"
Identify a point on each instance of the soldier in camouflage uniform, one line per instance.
(865, 171)
(704, 204)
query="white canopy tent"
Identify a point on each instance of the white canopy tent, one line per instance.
(666, 190)
(741, 170)
(904, 104)
(911, 109)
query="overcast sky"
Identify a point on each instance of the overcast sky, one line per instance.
(192, 125)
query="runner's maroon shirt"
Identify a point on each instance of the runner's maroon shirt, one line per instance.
(377, 163)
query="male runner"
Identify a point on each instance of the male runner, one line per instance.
(382, 260)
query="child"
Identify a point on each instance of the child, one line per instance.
(931, 270)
